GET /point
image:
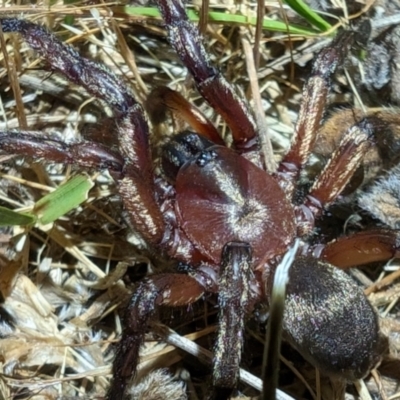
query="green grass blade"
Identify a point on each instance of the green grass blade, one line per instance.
(69, 19)
(13, 218)
(67, 197)
(223, 18)
(308, 14)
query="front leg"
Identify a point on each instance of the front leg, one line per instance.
(136, 181)
(186, 40)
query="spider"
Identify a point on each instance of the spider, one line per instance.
(220, 213)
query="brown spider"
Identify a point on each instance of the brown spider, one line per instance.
(221, 214)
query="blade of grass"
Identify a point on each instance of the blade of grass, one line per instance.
(13, 218)
(308, 14)
(224, 18)
(67, 197)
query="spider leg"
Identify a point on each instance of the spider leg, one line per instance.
(336, 174)
(164, 289)
(85, 154)
(185, 39)
(163, 98)
(136, 183)
(234, 301)
(362, 248)
(95, 78)
(315, 94)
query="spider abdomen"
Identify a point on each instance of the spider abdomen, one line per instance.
(329, 320)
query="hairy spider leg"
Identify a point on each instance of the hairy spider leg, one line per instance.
(235, 300)
(315, 95)
(159, 290)
(85, 154)
(136, 183)
(336, 174)
(185, 39)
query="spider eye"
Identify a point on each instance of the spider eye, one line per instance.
(181, 149)
(329, 320)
